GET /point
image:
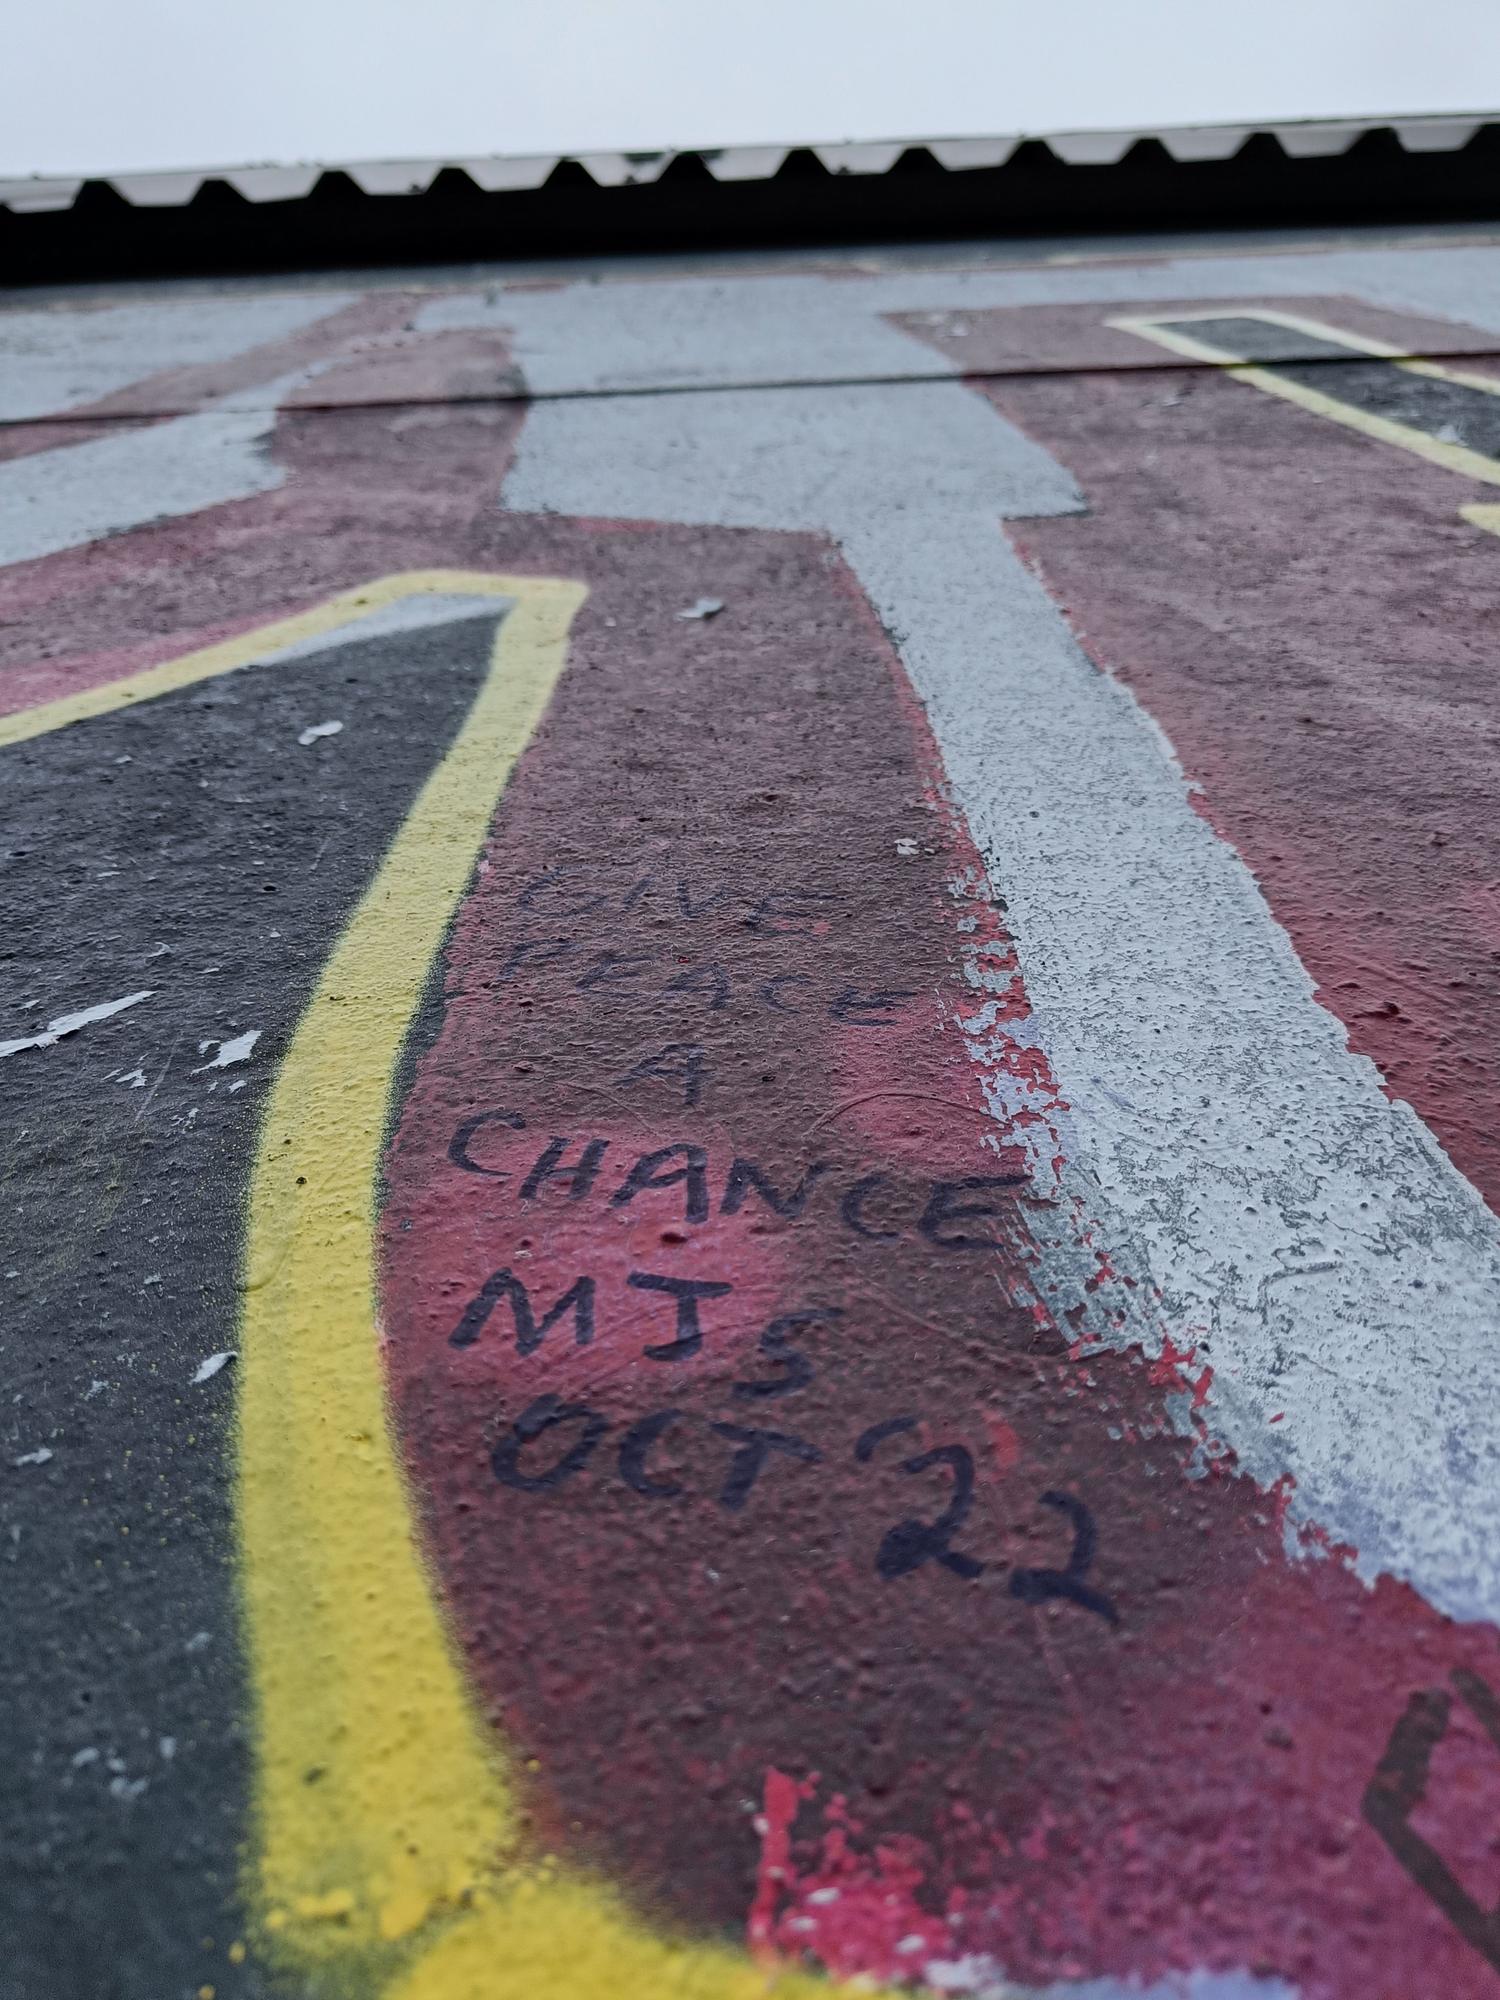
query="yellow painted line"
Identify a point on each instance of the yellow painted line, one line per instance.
(1167, 332)
(387, 1857)
(1405, 437)
(244, 650)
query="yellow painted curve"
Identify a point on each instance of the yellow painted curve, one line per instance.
(386, 1856)
(228, 656)
(379, 1798)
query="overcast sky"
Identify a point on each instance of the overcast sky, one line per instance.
(101, 85)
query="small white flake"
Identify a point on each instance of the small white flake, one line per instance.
(127, 1788)
(209, 1368)
(906, 849)
(236, 1051)
(38, 1457)
(167, 1748)
(824, 1896)
(239, 1084)
(69, 1024)
(706, 607)
(977, 1973)
(198, 1641)
(134, 1078)
(95, 1388)
(317, 729)
(88, 1755)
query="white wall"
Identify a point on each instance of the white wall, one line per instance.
(99, 86)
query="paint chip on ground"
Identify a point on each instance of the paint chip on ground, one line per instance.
(69, 1024)
(236, 1051)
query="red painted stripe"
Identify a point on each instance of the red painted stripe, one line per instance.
(731, 1709)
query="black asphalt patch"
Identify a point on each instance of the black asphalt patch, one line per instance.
(190, 846)
(1450, 412)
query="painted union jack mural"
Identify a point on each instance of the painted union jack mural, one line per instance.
(750, 1035)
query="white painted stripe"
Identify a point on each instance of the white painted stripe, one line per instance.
(712, 332)
(54, 358)
(1224, 1145)
(79, 492)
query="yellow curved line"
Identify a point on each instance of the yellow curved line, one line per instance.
(228, 656)
(1458, 458)
(387, 1855)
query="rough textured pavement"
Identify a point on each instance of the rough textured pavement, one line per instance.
(749, 1044)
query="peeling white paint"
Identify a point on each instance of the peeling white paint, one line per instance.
(38, 1457)
(208, 1369)
(69, 1024)
(236, 1051)
(317, 729)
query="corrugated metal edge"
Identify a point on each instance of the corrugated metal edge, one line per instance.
(1298, 139)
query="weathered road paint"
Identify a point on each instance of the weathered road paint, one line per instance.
(1083, 817)
(1441, 413)
(843, 1376)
